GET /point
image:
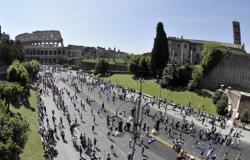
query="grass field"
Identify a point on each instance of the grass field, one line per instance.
(33, 148)
(152, 88)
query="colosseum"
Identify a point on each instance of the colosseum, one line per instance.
(46, 46)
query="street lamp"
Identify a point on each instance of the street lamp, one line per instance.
(159, 79)
(137, 115)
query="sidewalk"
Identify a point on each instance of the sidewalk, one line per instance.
(245, 135)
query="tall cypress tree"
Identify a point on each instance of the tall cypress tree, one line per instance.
(160, 52)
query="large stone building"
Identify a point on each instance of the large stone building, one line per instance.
(184, 51)
(46, 46)
(3, 35)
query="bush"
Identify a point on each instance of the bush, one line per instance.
(245, 117)
(217, 96)
(144, 66)
(197, 74)
(222, 105)
(101, 67)
(184, 74)
(139, 66)
(169, 76)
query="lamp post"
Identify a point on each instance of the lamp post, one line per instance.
(138, 114)
(159, 79)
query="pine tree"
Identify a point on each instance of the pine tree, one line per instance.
(160, 52)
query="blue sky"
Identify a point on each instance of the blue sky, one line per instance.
(128, 25)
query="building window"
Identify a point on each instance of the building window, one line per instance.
(185, 46)
(50, 52)
(42, 53)
(54, 53)
(63, 52)
(38, 52)
(59, 52)
(46, 53)
(194, 49)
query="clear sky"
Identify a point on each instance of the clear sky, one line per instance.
(128, 25)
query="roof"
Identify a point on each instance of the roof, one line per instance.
(231, 45)
(202, 42)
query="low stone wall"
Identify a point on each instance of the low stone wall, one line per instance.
(113, 67)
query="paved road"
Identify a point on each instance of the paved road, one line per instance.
(66, 151)
(189, 140)
(157, 150)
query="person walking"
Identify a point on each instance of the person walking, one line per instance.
(80, 151)
(95, 141)
(130, 142)
(93, 128)
(130, 156)
(108, 156)
(142, 150)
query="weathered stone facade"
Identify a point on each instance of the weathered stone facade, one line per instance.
(183, 51)
(46, 46)
(233, 70)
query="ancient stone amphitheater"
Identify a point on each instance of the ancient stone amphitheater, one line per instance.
(46, 46)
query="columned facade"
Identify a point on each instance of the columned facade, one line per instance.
(47, 46)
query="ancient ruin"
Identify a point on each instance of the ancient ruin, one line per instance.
(46, 46)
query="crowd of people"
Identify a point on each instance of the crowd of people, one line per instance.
(115, 94)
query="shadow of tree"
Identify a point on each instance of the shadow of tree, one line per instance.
(28, 106)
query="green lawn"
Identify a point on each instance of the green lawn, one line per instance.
(33, 148)
(152, 88)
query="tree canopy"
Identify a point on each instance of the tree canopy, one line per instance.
(16, 72)
(10, 50)
(160, 51)
(13, 134)
(101, 67)
(176, 76)
(139, 66)
(33, 67)
(222, 105)
(169, 76)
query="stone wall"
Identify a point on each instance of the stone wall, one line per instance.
(244, 105)
(233, 70)
(113, 67)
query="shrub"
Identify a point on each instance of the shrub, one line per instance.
(101, 67)
(217, 96)
(245, 117)
(222, 105)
